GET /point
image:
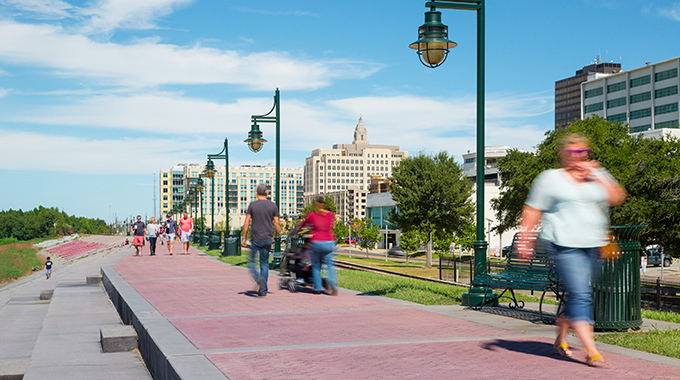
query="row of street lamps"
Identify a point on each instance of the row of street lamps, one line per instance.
(432, 47)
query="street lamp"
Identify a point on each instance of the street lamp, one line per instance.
(255, 142)
(433, 47)
(210, 173)
(224, 153)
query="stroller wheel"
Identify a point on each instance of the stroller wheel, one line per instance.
(326, 284)
(291, 286)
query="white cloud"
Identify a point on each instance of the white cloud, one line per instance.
(150, 64)
(43, 8)
(107, 15)
(33, 151)
(672, 13)
(3, 92)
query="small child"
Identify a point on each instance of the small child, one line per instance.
(48, 268)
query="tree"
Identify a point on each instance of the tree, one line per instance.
(431, 194)
(368, 234)
(340, 230)
(411, 240)
(330, 206)
(647, 168)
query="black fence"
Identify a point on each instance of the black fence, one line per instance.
(458, 269)
(660, 295)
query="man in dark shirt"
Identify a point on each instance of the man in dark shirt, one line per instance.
(170, 230)
(263, 213)
(139, 231)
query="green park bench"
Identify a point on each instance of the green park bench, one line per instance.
(537, 274)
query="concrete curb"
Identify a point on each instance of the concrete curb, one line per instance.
(167, 352)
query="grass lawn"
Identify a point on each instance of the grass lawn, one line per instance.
(16, 259)
(661, 342)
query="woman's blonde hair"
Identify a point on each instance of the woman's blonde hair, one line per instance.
(152, 220)
(572, 138)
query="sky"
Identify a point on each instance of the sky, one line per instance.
(96, 97)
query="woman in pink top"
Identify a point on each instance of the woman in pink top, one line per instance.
(322, 243)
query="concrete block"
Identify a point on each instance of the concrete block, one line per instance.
(118, 338)
(46, 294)
(91, 280)
(13, 370)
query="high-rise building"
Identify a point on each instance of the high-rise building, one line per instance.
(646, 98)
(350, 165)
(243, 181)
(568, 91)
(173, 184)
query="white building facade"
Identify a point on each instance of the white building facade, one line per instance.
(243, 181)
(645, 98)
(349, 165)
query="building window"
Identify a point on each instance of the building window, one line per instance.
(666, 108)
(640, 97)
(666, 124)
(668, 91)
(617, 117)
(594, 107)
(469, 160)
(616, 87)
(594, 92)
(616, 102)
(663, 75)
(641, 128)
(165, 190)
(641, 113)
(640, 81)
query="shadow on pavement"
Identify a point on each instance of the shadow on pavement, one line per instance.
(527, 347)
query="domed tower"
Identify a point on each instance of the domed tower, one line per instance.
(360, 134)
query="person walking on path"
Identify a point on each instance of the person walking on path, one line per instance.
(187, 225)
(48, 268)
(322, 243)
(152, 230)
(572, 204)
(139, 232)
(264, 215)
(170, 230)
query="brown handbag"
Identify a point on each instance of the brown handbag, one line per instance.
(612, 250)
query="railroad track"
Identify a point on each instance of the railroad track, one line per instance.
(353, 266)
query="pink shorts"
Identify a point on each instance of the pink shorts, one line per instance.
(139, 240)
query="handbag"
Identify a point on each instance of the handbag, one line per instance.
(612, 250)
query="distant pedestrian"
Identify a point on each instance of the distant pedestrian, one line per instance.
(264, 215)
(186, 224)
(139, 232)
(170, 230)
(323, 244)
(48, 268)
(152, 234)
(572, 204)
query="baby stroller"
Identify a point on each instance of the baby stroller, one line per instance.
(296, 265)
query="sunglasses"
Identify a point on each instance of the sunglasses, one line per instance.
(576, 152)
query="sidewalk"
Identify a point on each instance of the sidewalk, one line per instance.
(198, 318)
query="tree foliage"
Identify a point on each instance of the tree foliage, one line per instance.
(431, 194)
(330, 206)
(368, 234)
(43, 222)
(647, 168)
(409, 241)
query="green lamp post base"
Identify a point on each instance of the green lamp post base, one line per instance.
(475, 297)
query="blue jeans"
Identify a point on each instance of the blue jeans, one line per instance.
(322, 251)
(576, 268)
(261, 247)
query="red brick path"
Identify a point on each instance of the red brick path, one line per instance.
(303, 336)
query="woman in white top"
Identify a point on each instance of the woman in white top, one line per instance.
(572, 204)
(152, 231)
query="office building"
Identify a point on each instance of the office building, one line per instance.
(645, 98)
(243, 181)
(350, 165)
(568, 91)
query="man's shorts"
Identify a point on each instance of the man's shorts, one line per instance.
(48, 271)
(170, 237)
(139, 240)
(186, 237)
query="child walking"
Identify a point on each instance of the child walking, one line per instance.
(48, 268)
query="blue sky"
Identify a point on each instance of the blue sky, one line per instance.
(97, 96)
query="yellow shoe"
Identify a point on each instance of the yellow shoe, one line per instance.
(563, 350)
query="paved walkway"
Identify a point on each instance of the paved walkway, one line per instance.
(202, 319)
